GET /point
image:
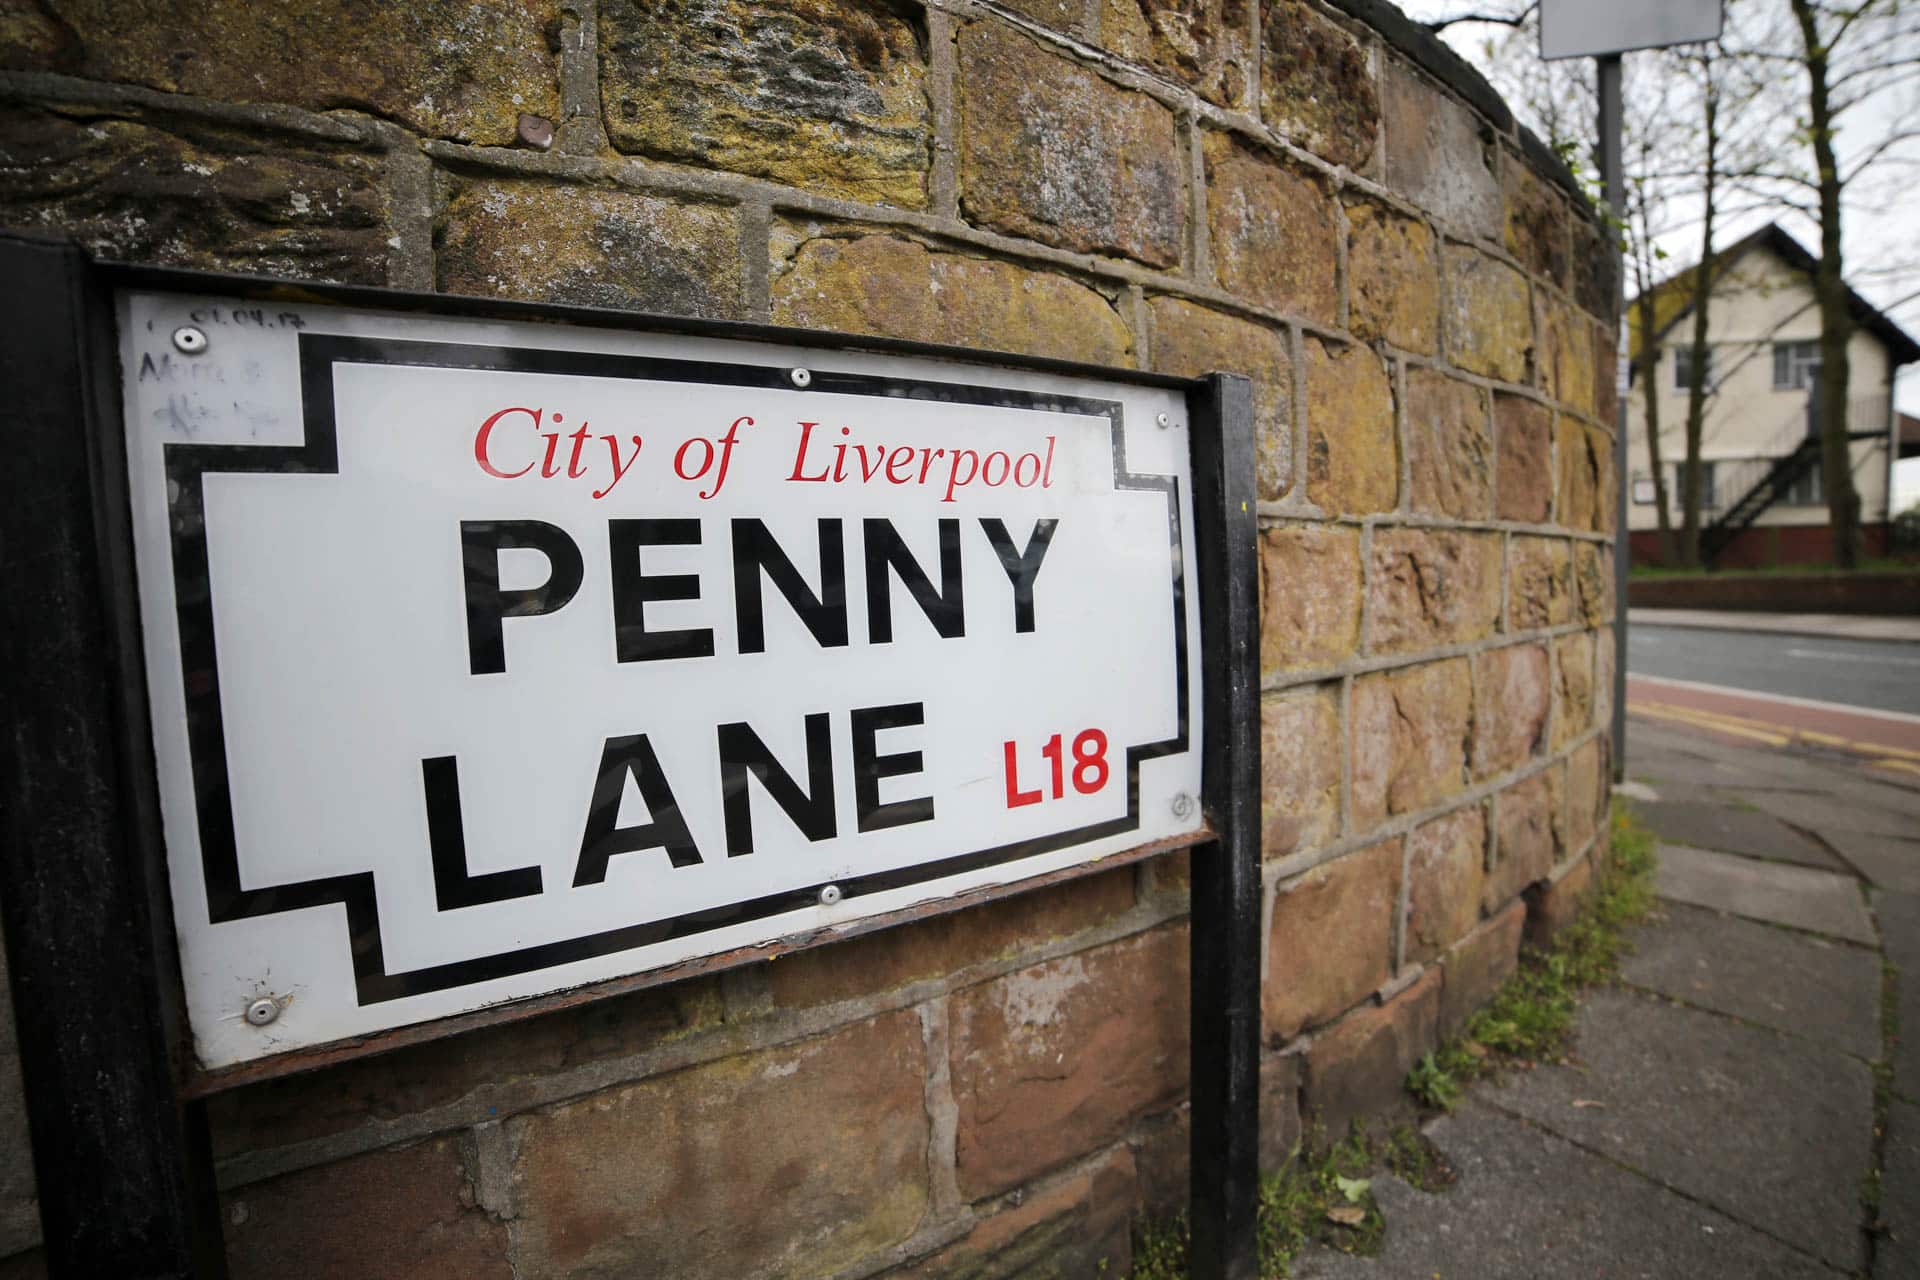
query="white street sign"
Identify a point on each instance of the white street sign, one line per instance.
(488, 660)
(1581, 28)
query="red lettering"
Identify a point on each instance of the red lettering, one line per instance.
(1046, 472)
(953, 473)
(1015, 796)
(986, 469)
(800, 457)
(1025, 458)
(484, 437)
(903, 454)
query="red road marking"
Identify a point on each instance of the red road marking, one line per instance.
(1856, 729)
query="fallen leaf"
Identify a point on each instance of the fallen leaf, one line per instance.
(1352, 1188)
(1476, 1050)
(1347, 1215)
(1588, 1102)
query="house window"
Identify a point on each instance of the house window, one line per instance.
(1643, 494)
(1807, 491)
(1683, 368)
(1794, 365)
(1679, 492)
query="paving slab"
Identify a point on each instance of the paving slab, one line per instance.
(1827, 814)
(1528, 1205)
(1680, 775)
(1728, 829)
(1896, 1254)
(1900, 926)
(1888, 862)
(1776, 892)
(1826, 991)
(1773, 1131)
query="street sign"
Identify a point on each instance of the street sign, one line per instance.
(1580, 28)
(490, 659)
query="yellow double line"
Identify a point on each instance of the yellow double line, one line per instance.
(1777, 735)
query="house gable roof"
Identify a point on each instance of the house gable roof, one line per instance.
(1673, 297)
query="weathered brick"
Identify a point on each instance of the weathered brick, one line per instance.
(1596, 267)
(1272, 230)
(900, 288)
(1523, 447)
(1573, 687)
(404, 1212)
(1593, 577)
(1393, 278)
(1061, 15)
(1353, 456)
(1606, 374)
(949, 943)
(1190, 340)
(825, 95)
(1536, 222)
(1582, 473)
(728, 1183)
(591, 247)
(1438, 154)
(1449, 446)
(195, 195)
(1600, 446)
(1077, 1226)
(1316, 88)
(1203, 43)
(1554, 904)
(1299, 770)
(1539, 583)
(455, 69)
(1162, 1149)
(1358, 1067)
(1052, 151)
(1489, 317)
(1446, 866)
(1309, 595)
(1056, 1060)
(1331, 940)
(1527, 839)
(1478, 966)
(1603, 678)
(1567, 354)
(1516, 691)
(1279, 1108)
(1411, 731)
(1431, 587)
(1586, 792)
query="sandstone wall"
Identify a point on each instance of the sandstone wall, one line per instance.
(1314, 194)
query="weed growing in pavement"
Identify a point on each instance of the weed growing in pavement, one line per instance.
(1531, 1016)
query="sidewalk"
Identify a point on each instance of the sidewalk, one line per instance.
(1719, 1114)
(1844, 626)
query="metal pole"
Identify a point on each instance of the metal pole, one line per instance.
(1225, 925)
(1608, 66)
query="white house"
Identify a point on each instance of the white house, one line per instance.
(1763, 501)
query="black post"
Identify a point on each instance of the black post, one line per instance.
(1613, 177)
(125, 1179)
(1226, 871)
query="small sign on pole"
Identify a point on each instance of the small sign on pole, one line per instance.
(1580, 28)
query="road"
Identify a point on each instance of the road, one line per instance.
(1875, 674)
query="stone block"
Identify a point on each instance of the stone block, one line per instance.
(403, 1212)
(1052, 151)
(1596, 267)
(1280, 1131)
(1077, 1226)
(1299, 770)
(1202, 43)
(1272, 230)
(1353, 455)
(1449, 446)
(1309, 595)
(1516, 691)
(459, 69)
(1603, 678)
(1527, 839)
(1317, 89)
(1573, 687)
(1587, 792)
(1412, 732)
(1430, 587)
(1190, 340)
(1438, 153)
(1330, 943)
(1489, 316)
(829, 96)
(1536, 221)
(1061, 15)
(1600, 447)
(1523, 447)
(1606, 374)
(1593, 579)
(195, 195)
(1552, 905)
(706, 1172)
(1566, 354)
(1056, 1060)
(1393, 278)
(949, 943)
(1478, 966)
(591, 247)
(1162, 1149)
(1586, 465)
(899, 288)
(1539, 583)
(1446, 867)
(1357, 1069)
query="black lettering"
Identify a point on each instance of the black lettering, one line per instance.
(453, 887)
(481, 542)
(743, 754)
(870, 767)
(825, 615)
(665, 828)
(1022, 566)
(632, 589)
(944, 609)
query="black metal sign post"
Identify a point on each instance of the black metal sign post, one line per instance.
(125, 1173)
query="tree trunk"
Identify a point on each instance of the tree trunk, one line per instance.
(1650, 388)
(1702, 299)
(1830, 291)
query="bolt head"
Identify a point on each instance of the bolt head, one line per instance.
(262, 1011)
(1163, 420)
(1182, 805)
(189, 341)
(830, 895)
(799, 377)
